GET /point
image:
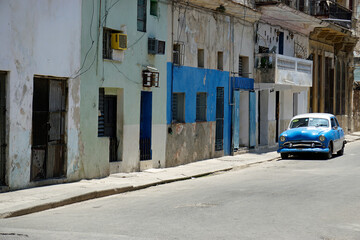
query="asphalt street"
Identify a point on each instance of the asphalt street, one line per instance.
(299, 198)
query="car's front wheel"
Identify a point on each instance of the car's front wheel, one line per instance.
(329, 154)
(284, 155)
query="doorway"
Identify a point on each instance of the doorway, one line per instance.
(107, 122)
(145, 125)
(48, 129)
(2, 128)
(281, 43)
(219, 132)
(277, 115)
(252, 120)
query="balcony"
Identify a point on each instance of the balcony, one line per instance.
(283, 70)
(332, 12)
(328, 11)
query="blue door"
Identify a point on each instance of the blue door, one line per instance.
(252, 122)
(236, 121)
(145, 125)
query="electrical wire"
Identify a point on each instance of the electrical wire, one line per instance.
(125, 75)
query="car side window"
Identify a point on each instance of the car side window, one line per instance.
(333, 123)
(337, 123)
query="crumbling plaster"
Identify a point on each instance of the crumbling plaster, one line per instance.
(32, 32)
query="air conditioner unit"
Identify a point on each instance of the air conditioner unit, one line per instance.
(119, 41)
(156, 46)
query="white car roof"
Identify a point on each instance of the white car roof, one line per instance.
(314, 115)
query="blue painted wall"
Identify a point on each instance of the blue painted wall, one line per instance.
(190, 80)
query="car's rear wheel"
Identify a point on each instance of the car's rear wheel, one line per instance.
(284, 155)
(329, 154)
(341, 152)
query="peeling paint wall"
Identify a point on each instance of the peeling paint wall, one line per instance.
(198, 28)
(121, 77)
(38, 38)
(187, 143)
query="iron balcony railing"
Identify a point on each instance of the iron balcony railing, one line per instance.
(285, 70)
(331, 11)
(327, 10)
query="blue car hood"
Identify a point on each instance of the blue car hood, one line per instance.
(304, 133)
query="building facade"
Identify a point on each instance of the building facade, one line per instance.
(40, 115)
(123, 100)
(212, 55)
(317, 33)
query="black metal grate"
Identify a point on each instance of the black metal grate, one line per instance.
(101, 120)
(201, 107)
(141, 15)
(219, 135)
(2, 129)
(145, 149)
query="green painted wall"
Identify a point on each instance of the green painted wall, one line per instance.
(122, 78)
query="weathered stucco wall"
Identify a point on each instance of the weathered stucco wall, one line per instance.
(38, 38)
(191, 142)
(356, 111)
(124, 79)
(197, 28)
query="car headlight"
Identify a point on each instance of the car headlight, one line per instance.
(282, 139)
(322, 138)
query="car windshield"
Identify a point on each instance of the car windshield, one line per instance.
(309, 122)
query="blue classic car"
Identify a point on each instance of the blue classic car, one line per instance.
(312, 133)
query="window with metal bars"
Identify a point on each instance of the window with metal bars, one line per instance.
(107, 50)
(2, 128)
(141, 15)
(101, 118)
(219, 133)
(178, 53)
(106, 43)
(178, 107)
(201, 106)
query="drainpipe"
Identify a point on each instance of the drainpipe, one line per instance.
(231, 69)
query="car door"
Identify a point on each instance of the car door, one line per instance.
(334, 134)
(341, 134)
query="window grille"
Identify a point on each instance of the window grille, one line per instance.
(141, 15)
(178, 53)
(178, 107)
(201, 107)
(101, 119)
(2, 128)
(219, 133)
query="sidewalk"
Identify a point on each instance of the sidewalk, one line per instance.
(38, 199)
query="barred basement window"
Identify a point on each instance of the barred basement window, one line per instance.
(201, 106)
(178, 107)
